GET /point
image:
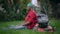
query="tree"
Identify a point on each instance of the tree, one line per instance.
(13, 9)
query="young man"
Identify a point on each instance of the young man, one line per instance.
(30, 20)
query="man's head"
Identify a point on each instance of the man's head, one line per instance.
(30, 6)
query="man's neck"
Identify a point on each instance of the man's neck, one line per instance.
(29, 10)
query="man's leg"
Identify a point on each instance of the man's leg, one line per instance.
(15, 27)
(20, 27)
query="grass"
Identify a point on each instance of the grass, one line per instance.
(55, 23)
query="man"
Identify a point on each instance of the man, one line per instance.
(30, 20)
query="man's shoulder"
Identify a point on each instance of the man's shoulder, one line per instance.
(32, 11)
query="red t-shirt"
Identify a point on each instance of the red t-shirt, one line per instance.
(32, 18)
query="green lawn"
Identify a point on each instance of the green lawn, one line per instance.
(55, 23)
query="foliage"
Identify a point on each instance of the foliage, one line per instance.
(15, 10)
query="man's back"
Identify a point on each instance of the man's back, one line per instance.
(32, 18)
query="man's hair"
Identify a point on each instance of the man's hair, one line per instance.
(30, 5)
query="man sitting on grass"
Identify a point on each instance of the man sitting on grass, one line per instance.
(30, 20)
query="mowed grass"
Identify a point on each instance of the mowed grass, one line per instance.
(55, 23)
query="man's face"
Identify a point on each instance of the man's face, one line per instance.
(28, 8)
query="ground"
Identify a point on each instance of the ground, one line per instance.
(55, 23)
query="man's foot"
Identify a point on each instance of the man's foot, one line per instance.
(53, 29)
(50, 30)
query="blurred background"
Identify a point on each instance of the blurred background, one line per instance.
(16, 9)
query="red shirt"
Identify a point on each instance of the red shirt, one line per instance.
(32, 18)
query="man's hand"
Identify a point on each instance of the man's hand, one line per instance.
(25, 23)
(35, 27)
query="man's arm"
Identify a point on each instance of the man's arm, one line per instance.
(35, 27)
(25, 23)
